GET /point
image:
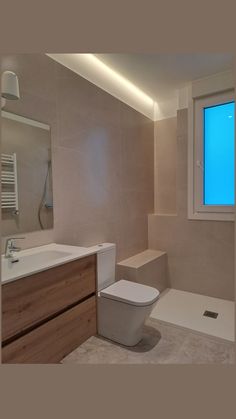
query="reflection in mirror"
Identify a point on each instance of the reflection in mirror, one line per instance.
(27, 203)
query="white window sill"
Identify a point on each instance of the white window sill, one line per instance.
(211, 216)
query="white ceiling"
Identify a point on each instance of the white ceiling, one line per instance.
(150, 83)
(158, 75)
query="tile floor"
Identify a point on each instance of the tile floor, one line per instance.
(186, 309)
(161, 344)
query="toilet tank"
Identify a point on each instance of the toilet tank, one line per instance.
(106, 263)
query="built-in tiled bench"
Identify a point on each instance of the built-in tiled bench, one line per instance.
(148, 267)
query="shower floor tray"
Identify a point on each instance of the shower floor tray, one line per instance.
(186, 309)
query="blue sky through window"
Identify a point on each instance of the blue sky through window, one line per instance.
(219, 154)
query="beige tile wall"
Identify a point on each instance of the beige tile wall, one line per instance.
(103, 177)
(165, 166)
(200, 253)
(103, 168)
(102, 155)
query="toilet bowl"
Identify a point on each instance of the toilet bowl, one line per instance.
(122, 306)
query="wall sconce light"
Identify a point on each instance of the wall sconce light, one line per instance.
(9, 87)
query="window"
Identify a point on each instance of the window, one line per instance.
(213, 158)
(219, 154)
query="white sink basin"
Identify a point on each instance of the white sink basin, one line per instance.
(40, 258)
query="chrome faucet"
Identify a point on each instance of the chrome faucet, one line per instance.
(10, 248)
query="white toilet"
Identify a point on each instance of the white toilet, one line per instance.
(123, 306)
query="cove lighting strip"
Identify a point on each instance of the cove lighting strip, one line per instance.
(116, 78)
(96, 71)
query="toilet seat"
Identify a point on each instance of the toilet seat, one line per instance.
(131, 293)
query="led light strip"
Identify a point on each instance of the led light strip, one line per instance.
(116, 77)
(96, 71)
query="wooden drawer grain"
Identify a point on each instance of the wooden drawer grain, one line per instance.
(30, 300)
(52, 341)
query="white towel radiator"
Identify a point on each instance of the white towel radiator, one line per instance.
(9, 183)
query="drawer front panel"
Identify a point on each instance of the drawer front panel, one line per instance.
(55, 339)
(28, 301)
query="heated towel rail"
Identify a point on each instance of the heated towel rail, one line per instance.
(9, 183)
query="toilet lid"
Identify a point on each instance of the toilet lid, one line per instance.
(131, 293)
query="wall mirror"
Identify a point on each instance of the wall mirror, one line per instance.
(27, 201)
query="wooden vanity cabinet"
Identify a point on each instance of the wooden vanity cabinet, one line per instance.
(54, 339)
(47, 315)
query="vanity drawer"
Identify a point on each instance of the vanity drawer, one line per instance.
(55, 339)
(30, 300)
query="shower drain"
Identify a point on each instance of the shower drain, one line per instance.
(211, 314)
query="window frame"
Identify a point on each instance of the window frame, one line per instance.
(196, 208)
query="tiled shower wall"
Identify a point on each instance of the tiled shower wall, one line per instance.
(102, 156)
(200, 253)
